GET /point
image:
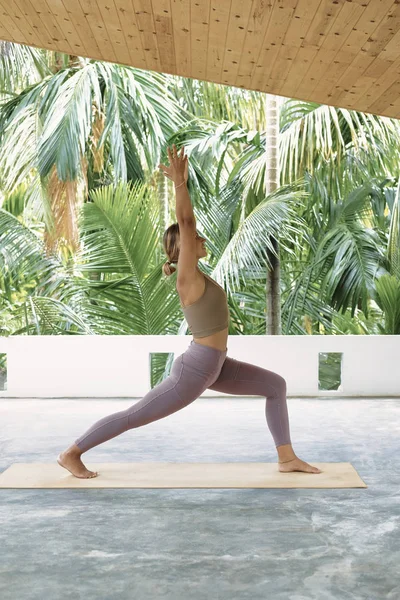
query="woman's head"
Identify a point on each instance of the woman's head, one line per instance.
(171, 244)
(171, 247)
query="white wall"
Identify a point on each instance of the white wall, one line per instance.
(118, 366)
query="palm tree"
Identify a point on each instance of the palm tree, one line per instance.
(114, 126)
(272, 181)
(65, 121)
(387, 287)
(338, 151)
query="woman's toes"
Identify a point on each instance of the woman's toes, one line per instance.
(309, 468)
(315, 470)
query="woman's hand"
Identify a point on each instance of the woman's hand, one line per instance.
(178, 169)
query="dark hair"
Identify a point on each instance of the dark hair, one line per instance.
(171, 248)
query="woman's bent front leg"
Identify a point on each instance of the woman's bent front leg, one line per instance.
(241, 378)
(244, 379)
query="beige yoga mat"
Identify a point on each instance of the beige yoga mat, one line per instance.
(180, 475)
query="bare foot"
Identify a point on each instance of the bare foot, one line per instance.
(298, 465)
(74, 465)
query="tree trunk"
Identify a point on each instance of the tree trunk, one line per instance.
(162, 193)
(273, 296)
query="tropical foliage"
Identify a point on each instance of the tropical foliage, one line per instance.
(84, 206)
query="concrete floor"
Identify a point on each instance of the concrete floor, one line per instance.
(278, 544)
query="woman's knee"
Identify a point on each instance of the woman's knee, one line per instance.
(277, 382)
(283, 383)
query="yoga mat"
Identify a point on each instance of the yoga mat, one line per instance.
(180, 475)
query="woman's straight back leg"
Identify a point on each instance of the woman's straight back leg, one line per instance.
(159, 402)
(190, 375)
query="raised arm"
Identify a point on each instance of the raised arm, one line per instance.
(178, 173)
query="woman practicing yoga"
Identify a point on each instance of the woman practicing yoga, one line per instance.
(205, 364)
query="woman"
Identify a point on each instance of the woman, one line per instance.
(205, 364)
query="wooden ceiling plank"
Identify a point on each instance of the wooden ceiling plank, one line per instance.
(162, 14)
(93, 15)
(387, 30)
(181, 23)
(334, 41)
(368, 49)
(303, 18)
(68, 29)
(385, 82)
(323, 22)
(378, 67)
(299, 68)
(369, 84)
(31, 15)
(79, 20)
(24, 24)
(385, 100)
(275, 34)
(343, 25)
(239, 17)
(10, 30)
(260, 15)
(148, 37)
(391, 50)
(5, 36)
(382, 35)
(49, 21)
(338, 52)
(283, 64)
(130, 29)
(200, 16)
(299, 30)
(364, 81)
(395, 103)
(114, 30)
(346, 84)
(380, 85)
(319, 68)
(314, 39)
(346, 96)
(292, 44)
(367, 24)
(363, 84)
(328, 85)
(218, 31)
(393, 112)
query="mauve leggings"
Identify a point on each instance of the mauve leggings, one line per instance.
(198, 368)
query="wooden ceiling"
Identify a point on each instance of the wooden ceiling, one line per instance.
(340, 52)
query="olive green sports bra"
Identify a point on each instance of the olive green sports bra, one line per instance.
(210, 313)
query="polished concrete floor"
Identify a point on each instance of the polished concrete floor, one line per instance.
(196, 544)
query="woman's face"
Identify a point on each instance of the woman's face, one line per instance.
(201, 246)
(201, 249)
